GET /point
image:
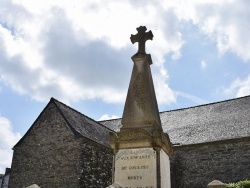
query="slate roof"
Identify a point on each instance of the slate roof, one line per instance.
(224, 120)
(79, 124)
(84, 125)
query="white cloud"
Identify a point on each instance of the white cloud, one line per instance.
(190, 97)
(7, 140)
(239, 87)
(225, 22)
(107, 117)
(81, 50)
(75, 51)
(164, 93)
(203, 64)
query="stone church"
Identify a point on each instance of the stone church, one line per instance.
(65, 148)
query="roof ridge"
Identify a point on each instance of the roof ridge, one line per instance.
(207, 104)
(32, 125)
(112, 119)
(53, 99)
(179, 109)
(75, 132)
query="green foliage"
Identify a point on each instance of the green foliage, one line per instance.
(241, 184)
(244, 184)
(231, 185)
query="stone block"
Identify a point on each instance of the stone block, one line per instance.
(216, 184)
(33, 186)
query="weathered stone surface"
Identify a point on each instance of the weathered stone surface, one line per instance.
(165, 170)
(141, 121)
(141, 37)
(141, 147)
(141, 109)
(194, 166)
(96, 166)
(83, 125)
(51, 156)
(205, 123)
(48, 156)
(136, 167)
(4, 178)
(216, 184)
(140, 138)
(214, 142)
(208, 123)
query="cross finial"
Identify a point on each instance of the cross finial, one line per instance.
(141, 37)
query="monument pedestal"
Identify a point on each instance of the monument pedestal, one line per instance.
(141, 158)
(142, 168)
(136, 168)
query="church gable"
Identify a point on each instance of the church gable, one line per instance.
(78, 124)
(45, 117)
(48, 149)
(56, 151)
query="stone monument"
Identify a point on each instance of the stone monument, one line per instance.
(141, 148)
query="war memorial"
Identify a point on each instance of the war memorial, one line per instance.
(141, 148)
(183, 148)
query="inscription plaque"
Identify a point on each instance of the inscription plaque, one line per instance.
(136, 168)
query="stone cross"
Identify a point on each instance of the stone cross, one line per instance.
(141, 37)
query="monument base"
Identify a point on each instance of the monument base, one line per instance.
(142, 168)
(165, 170)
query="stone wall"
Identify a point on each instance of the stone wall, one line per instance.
(4, 179)
(48, 155)
(96, 166)
(194, 166)
(51, 156)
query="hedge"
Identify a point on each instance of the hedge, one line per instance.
(240, 184)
